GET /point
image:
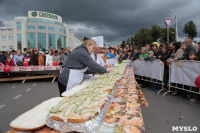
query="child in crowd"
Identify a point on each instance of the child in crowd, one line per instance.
(27, 57)
(191, 96)
(128, 55)
(9, 61)
(150, 57)
(143, 53)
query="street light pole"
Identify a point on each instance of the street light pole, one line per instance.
(176, 26)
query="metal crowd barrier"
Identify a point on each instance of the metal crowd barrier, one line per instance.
(181, 86)
(150, 78)
(184, 86)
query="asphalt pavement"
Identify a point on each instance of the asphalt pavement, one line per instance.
(162, 113)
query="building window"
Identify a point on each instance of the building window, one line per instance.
(31, 40)
(31, 27)
(3, 48)
(59, 41)
(42, 27)
(18, 25)
(64, 31)
(51, 28)
(10, 38)
(59, 30)
(52, 40)
(11, 47)
(41, 40)
(64, 41)
(3, 38)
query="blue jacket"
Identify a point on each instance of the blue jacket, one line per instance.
(2, 59)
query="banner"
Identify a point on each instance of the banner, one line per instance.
(185, 72)
(151, 69)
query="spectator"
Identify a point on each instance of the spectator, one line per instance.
(198, 53)
(41, 59)
(163, 57)
(8, 53)
(12, 54)
(191, 96)
(143, 53)
(116, 54)
(134, 53)
(128, 55)
(183, 47)
(49, 58)
(9, 62)
(121, 56)
(2, 58)
(51, 47)
(109, 54)
(27, 57)
(155, 50)
(56, 57)
(171, 48)
(188, 43)
(18, 58)
(177, 53)
(64, 56)
(150, 57)
(34, 58)
(25, 50)
(148, 48)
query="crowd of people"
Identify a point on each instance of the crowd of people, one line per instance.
(165, 52)
(34, 57)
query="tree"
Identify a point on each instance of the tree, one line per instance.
(163, 34)
(123, 45)
(142, 37)
(190, 29)
(155, 32)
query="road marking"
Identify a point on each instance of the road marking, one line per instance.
(28, 89)
(1, 106)
(18, 96)
(13, 87)
(34, 84)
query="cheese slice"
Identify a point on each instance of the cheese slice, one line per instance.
(36, 117)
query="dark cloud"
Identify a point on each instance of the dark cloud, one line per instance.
(114, 19)
(1, 23)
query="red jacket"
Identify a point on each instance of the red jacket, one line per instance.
(11, 63)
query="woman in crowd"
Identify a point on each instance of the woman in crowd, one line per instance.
(18, 58)
(155, 49)
(34, 58)
(78, 63)
(49, 58)
(41, 59)
(9, 61)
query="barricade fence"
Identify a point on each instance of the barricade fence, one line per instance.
(151, 71)
(182, 74)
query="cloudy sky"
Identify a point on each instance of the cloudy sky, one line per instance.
(114, 19)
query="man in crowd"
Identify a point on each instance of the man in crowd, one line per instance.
(65, 55)
(12, 54)
(188, 44)
(2, 58)
(171, 48)
(56, 57)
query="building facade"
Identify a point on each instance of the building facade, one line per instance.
(39, 30)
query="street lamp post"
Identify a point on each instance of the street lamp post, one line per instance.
(176, 27)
